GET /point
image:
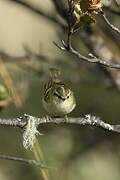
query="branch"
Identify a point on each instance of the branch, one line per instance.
(86, 120)
(90, 59)
(62, 10)
(97, 45)
(30, 125)
(16, 122)
(109, 23)
(22, 160)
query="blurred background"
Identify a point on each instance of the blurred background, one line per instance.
(27, 31)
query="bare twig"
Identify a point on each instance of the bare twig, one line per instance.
(22, 160)
(68, 47)
(109, 23)
(90, 59)
(97, 45)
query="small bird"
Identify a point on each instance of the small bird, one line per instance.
(58, 99)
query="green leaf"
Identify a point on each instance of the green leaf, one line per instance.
(87, 19)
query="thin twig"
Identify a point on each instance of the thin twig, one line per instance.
(22, 160)
(90, 59)
(109, 23)
(97, 46)
(72, 51)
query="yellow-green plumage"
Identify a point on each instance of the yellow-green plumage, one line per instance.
(58, 99)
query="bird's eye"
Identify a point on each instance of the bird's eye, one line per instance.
(55, 94)
(68, 97)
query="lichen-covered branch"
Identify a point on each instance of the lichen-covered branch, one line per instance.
(30, 125)
(82, 121)
(16, 122)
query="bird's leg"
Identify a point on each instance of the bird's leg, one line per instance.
(66, 118)
(48, 118)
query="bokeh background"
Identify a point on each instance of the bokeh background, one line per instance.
(27, 32)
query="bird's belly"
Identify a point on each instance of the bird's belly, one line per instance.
(60, 109)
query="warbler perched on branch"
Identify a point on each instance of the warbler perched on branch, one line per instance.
(58, 99)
